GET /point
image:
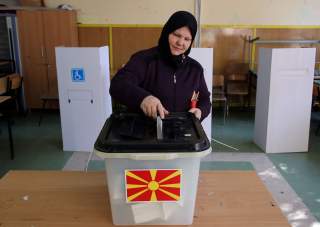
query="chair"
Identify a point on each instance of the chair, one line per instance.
(237, 82)
(45, 99)
(315, 118)
(15, 84)
(4, 98)
(318, 129)
(218, 93)
(4, 85)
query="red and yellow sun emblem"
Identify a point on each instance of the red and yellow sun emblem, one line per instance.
(153, 185)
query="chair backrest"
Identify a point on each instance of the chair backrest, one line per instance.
(238, 77)
(3, 85)
(218, 80)
(218, 85)
(15, 81)
(236, 68)
(14, 84)
(237, 84)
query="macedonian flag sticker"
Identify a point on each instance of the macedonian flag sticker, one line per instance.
(153, 185)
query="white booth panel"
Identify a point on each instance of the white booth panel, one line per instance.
(85, 103)
(284, 96)
(205, 57)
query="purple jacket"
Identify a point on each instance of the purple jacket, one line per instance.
(147, 73)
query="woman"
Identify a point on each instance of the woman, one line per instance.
(163, 79)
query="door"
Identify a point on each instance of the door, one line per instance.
(59, 30)
(40, 31)
(36, 85)
(33, 55)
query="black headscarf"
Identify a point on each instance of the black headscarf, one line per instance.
(177, 20)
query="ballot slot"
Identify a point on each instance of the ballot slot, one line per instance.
(136, 132)
(137, 127)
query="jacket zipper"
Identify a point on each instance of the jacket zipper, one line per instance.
(175, 91)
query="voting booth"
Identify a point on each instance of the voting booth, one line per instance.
(284, 97)
(205, 57)
(85, 103)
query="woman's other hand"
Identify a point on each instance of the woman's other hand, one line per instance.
(151, 105)
(196, 112)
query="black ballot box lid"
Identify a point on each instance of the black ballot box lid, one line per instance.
(136, 133)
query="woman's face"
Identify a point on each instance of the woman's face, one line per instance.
(180, 40)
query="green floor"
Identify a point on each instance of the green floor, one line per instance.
(40, 148)
(302, 172)
(36, 147)
(236, 132)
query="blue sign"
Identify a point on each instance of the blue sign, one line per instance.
(77, 75)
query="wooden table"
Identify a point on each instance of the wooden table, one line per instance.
(57, 198)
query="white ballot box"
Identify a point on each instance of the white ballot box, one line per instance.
(152, 180)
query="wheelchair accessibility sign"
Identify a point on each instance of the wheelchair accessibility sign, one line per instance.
(77, 75)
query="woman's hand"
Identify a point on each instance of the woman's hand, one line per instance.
(151, 105)
(196, 112)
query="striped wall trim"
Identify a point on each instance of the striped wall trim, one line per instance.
(204, 26)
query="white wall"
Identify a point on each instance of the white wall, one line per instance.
(261, 12)
(225, 12)
(125, 11)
